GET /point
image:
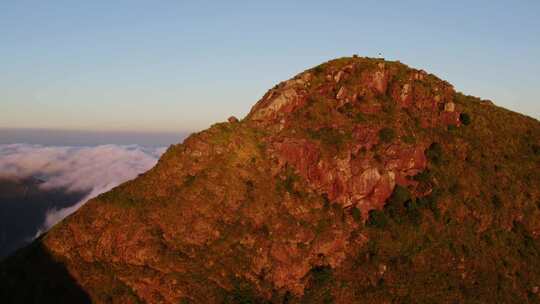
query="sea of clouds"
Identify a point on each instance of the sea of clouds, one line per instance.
(91, 170)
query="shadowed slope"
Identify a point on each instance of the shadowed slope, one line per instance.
(32, 275)
(23, 208)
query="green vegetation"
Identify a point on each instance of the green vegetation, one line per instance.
(377, 219)
(356, 214)
(330, 137)
(400, 195)
(465, 118)
(318, 69)
(386, 135)
(535, 149)
(409, 139)
(189, 180)
(424, 176)
(288, 183)
(388, 106)
(430, 202)
(243, 293)
(320, 287)
(496, 201)
(221, 133)
(401, 208)
(359, 118)
(322, 226)
(434, 153)
(120, 199)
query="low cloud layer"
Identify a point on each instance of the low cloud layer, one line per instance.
(91, 170)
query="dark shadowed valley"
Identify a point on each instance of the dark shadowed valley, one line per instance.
(23, 208)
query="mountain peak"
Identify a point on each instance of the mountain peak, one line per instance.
(362, 82)
(360, 180)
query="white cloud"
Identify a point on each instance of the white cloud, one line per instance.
(93, 170)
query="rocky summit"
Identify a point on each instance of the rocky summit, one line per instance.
(357, 181)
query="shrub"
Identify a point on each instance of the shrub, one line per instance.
(430, 202)
(434, 153)
(326, 202)
(465, 118)
(320, 286)
(243, 292)
(409, 139)
(330, 137)
(287, 184)
(413, 213)
(400, 195)
(318, 69)
(394, 208)
(389, 107)
(189, 180)
(321, 275)
(357, 216)
(346, 109)
(535, 149)
(249, 185)
(424, 176)
(401, 206)
(377, 219)
(359, 118)
(454, 188)
(322, 225)
(386, 135)
(496, 201)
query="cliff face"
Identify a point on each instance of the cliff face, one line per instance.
(357, 181)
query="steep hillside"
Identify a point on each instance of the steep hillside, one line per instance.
(357, 181)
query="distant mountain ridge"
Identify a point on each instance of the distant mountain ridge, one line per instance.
(357, 181)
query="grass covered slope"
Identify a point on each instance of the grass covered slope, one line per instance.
(357, 181)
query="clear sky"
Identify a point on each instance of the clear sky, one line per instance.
(181, 65)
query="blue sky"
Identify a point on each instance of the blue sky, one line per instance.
(175, 66)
